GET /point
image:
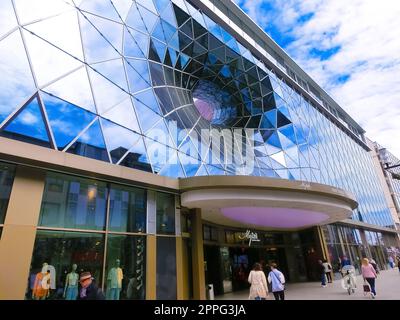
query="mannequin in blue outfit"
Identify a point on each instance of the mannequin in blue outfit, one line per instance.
(114, 281)
(71, 284)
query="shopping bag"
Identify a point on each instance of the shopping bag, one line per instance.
(367, 288)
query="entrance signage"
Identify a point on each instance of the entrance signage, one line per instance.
(252, 236)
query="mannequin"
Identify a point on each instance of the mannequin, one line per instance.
(41, 287)
(114, 281)
(71, 284)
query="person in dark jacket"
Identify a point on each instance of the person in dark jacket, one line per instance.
(89, 290)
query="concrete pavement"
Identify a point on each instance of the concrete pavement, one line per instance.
(387, 288)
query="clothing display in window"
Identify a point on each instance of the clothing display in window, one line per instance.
(71, 284)
(41, 286)
(114, 285)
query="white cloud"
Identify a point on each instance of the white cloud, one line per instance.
(367, 33)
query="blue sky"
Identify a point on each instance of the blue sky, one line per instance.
(351, 48)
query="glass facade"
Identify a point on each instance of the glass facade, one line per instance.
(89, 225)
(130, 71)
(7, 173)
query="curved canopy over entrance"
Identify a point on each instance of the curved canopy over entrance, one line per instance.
(265, 203)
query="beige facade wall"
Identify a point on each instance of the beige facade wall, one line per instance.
(19, 232)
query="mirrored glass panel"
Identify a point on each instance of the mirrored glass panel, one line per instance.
(72, 202)
(125, 268)
(127, 209)
(165, 213)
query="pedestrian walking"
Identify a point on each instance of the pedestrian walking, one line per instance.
(321, 271)
(277, 280)
(398, 263)
(369, 274)
(327, 270)
(373, 263)
(391, 262)
(258, 281)
(89, 290)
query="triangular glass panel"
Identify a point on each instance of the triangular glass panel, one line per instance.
(158, 32)
(169, 30)
(274, 141)
(184, 60)
(7, 18)
(122, 7)
(16, 77)
(66, 120)
(50, 30)
(131, 45)
(288, 132)
(168, 15)
(254, 122)
(29, 11)
(91, 144)
(181, 16)
(74, 88)
(202, 171)
(118, 139)
(187, 28)
(110, 30)
(136, 157)
(101, 8)
(48, 62)
(160, 48)
(174, 41)
(149, 18)
(123, 114)
(149, 99)
(28, 125)
(271, 116)
(161, 5)
(148, 4)
(134, 19)
(189, 164)
(106, 94)
(173, 170)
(215, 170)
(282, 120)
(157, 153)
(114, 71)
(188, 148)
(136, 82)
(147, 117)
(173, 56)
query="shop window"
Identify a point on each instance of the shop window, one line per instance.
(210, 233)
(127, 209)
(165, 213)
(58, 259)
(125, 267)
(7, 173)
(72, 202)
(166, 268)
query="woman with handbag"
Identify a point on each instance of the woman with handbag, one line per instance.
(277, 280)
(328, 270)
(369, 274)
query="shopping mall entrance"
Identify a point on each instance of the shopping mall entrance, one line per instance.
(235, 263)
(229, 258)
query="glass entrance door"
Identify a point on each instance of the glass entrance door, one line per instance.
(227, 268)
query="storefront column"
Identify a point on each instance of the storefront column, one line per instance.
(180, 276)
(19, 232)
(151, 270)
(199, 285)
(322, 244)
